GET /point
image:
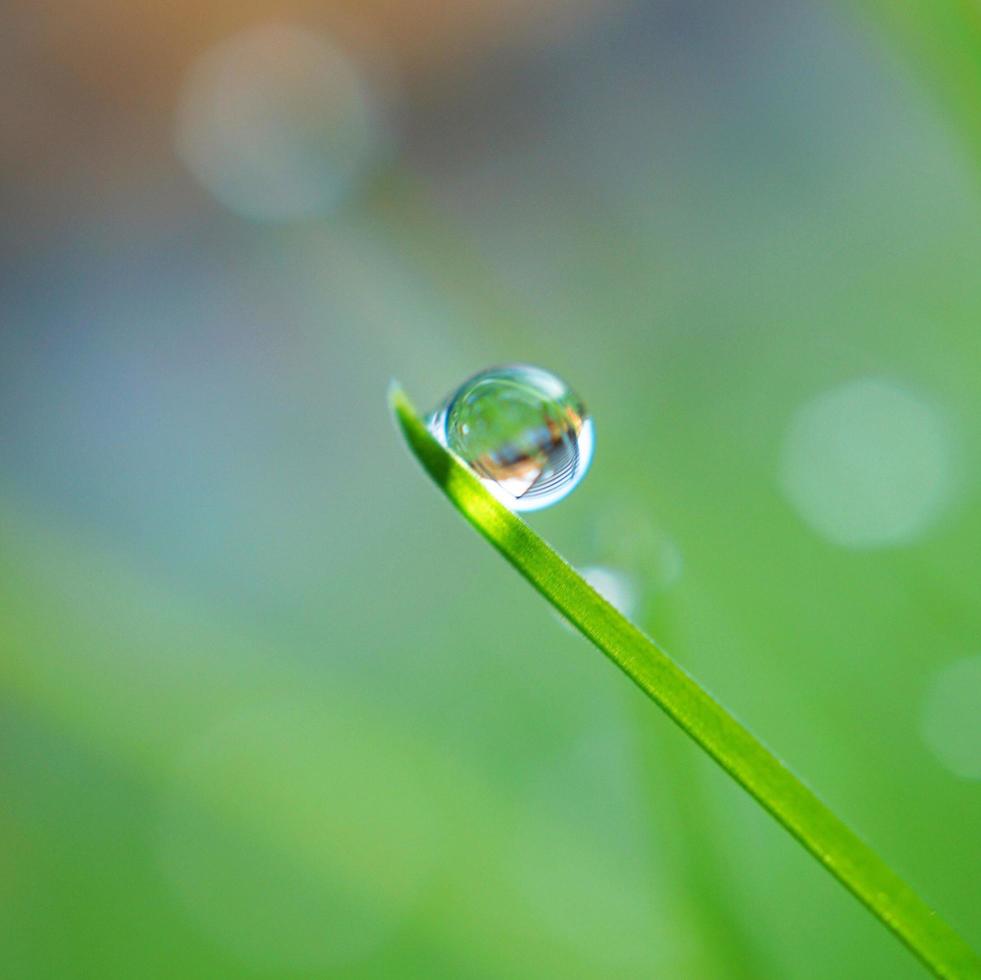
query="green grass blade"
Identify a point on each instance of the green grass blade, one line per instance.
(745, 758)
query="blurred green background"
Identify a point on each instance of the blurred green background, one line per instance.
(268, 708)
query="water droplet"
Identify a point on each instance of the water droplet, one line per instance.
(522, 430)
(619, 590)
(614, 586)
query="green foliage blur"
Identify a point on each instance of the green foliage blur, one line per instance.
(268, 707)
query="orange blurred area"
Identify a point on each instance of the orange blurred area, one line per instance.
(130, 56)
(91, 88)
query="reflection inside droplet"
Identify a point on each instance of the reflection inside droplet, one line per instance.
(522, 430)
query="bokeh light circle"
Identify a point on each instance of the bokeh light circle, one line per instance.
(279, 123)
(868, 464)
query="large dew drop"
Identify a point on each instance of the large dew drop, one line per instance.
(522, 430)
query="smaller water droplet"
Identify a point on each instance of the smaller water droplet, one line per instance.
(619, 590)
(522, 430)
(614, 586)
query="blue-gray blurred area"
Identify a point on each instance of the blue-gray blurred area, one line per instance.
(268, 706)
